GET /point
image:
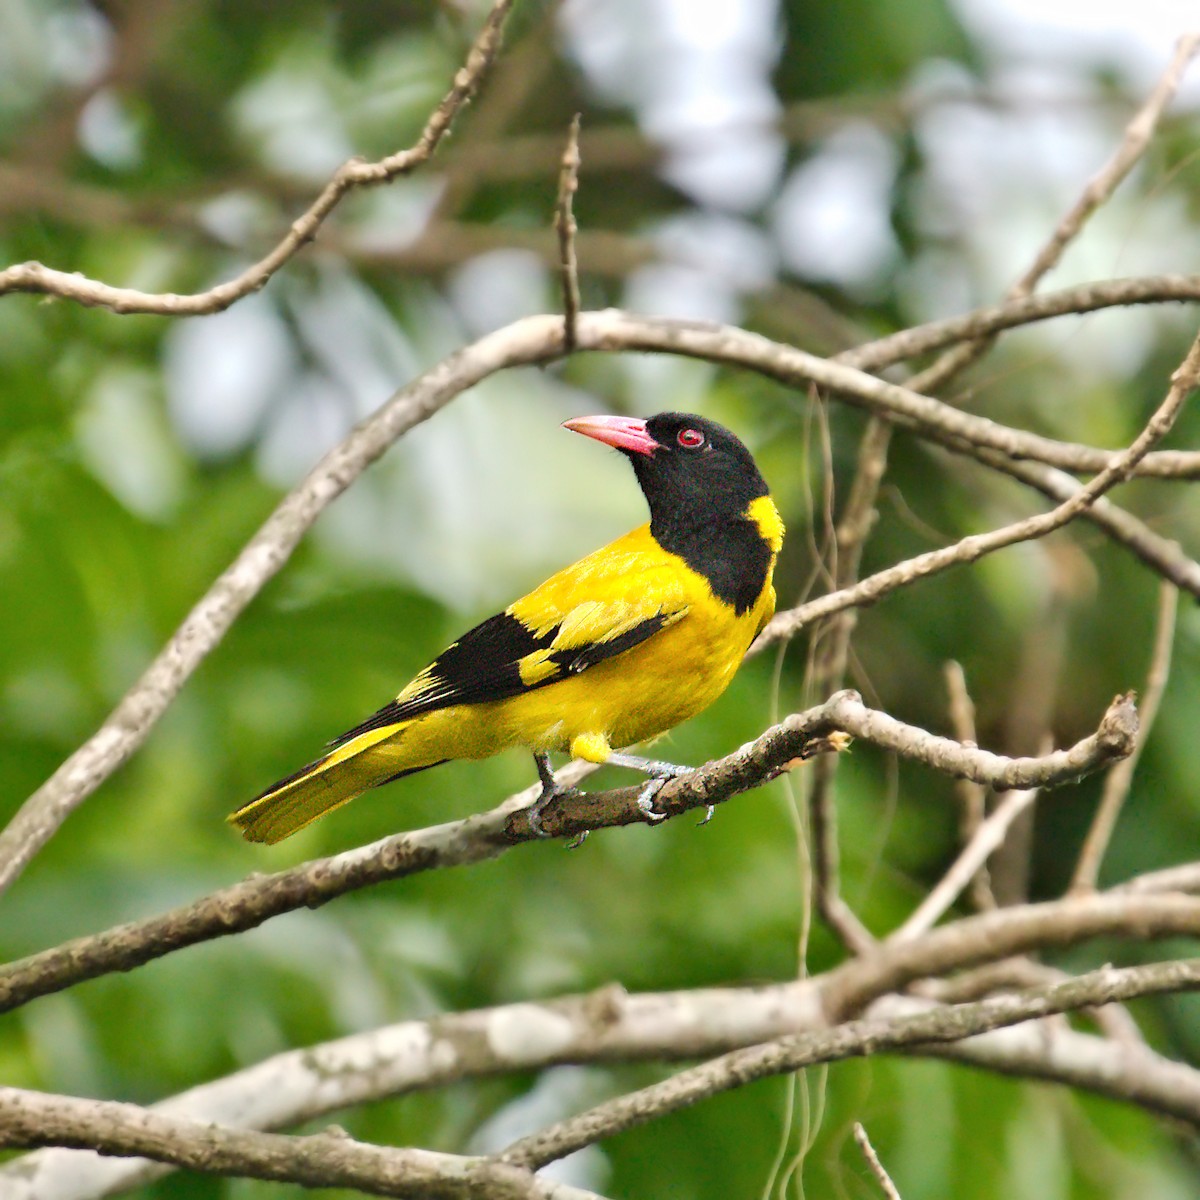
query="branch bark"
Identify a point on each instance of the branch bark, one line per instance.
(328, 1159)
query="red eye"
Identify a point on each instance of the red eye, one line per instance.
(690, 439)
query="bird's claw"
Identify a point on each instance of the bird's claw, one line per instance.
(533, 814)
(645, 800)
(708, 815)
(551, 790)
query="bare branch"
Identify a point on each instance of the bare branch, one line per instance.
(993, 936)
(1052, 1051)
(248, 904)
(831, 653)
(1011, 314)
(972, 798)
(566, 229)
(1137, 138)
(855, 1039)
(948, 426)
(967, 866)
(607, 1026)
(868, 1152)
(1182, 878)
(819, 730)
(969, 549)
(1161, 555)
(208, 622)
(1133, 145)
(1021, 971)
(355, 173)
(327, 1159)
(1116, 786)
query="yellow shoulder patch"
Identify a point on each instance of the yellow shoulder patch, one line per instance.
(766, 516)
(536, 667)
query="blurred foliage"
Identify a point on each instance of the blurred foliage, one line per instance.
(888, 173)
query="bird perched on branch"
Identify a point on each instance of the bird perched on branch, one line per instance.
(621, 646)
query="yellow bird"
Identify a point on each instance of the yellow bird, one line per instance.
(617, 648)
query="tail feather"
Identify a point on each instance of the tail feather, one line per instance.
(321, 786)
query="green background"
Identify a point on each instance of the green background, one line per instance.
(163, 146)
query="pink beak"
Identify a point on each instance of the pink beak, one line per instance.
(625, 433)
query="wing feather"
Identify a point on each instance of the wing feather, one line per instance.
(559, 630)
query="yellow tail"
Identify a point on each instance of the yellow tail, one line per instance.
(321, 786)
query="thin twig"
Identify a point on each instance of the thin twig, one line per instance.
(967, 866)
(1116, 785)
(884, 1180)
(1138, 134)
(566, 229)
(1160, 554)
(829, 671)
(355, 173)
(1011, 314)
(1136, 139)
(1183, 877)
(972, 799)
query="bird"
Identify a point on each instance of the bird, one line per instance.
(611, 651)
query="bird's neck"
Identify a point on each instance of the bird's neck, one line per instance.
(734, 551)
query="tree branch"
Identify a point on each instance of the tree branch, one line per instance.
(248, 904)
(971, 548)
(565, 228)
(966, 867)
(855, 1039)
(1116, 786)
(355, 173)
(328, 1159)
(1085, 298)
(136, 714)
(1133, 145)
(884, 1180)
(992, 936)
(607, 1026)
(831, 651)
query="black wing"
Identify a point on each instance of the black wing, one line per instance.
(498, 659)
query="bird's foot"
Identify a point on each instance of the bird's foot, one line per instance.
(551, 790)
(533, 814)
(659, 773)
(645, 800)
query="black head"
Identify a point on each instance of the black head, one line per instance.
(692, 471)
(700, 483)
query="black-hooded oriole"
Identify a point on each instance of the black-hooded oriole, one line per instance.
(615, 649)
